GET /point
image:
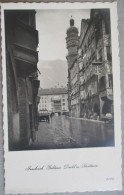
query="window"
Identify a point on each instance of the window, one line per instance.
(110, 80)
(93, 36)
(108, 53)
(100, 55)
(88, 41)
(82, 53)
(85, 47)
(102, 83)
(63, 104)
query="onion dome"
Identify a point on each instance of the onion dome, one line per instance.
(71, 22)
(72, 28)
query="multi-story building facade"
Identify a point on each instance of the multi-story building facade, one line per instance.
(22, 78)
(54, 100)
(75, 93)
(95, 66)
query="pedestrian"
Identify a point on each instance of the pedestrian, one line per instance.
(51, 115)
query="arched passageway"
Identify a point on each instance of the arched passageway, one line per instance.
(96, 109)
(106, 107)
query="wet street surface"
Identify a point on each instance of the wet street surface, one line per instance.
(64, 132)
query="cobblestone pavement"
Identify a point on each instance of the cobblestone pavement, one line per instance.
(63, 132)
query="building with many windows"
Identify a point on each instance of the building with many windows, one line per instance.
(91, 70)
(54, 100)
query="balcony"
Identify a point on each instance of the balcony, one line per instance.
(92, 70)
(26, 59)
(25, 35)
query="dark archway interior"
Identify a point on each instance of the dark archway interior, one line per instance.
(96, 109)
(102, 83)
(106, 107)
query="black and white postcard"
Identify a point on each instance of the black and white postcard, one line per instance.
(61, 97)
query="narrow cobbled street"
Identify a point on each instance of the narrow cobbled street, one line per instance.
(64, 132)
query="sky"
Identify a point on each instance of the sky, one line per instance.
(53, 73)
(52, 26)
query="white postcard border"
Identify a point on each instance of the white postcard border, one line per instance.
(86, 179)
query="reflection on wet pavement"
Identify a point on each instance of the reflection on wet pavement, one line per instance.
(64, 132)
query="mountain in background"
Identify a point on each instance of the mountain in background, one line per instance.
(53, 73)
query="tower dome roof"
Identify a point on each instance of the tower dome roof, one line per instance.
(71, 22)
(72, 28)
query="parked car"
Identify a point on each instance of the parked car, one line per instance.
(44, 115)
(66, 113)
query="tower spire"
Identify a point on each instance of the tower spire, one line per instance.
(72, 41)
(71, 21)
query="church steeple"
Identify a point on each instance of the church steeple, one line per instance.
(72, 42)
(71, 21)
(72, 28)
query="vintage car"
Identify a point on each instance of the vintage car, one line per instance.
(44, 115)
(66, 113)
